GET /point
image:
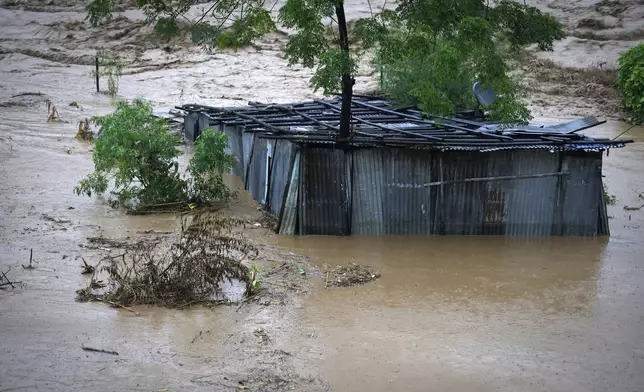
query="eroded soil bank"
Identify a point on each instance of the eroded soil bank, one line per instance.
(446, 314)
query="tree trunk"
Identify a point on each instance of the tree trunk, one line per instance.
(347, 80)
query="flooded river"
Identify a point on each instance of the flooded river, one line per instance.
(448, 313)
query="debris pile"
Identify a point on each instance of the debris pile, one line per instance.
(350, 275)
(174, 275)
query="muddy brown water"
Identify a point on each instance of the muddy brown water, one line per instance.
(455, 313)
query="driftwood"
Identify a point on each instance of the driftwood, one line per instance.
(96, 350)
(31, 257)
(7, 281)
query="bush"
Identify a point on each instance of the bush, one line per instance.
(136, 152)
(630, 80)
(208, 165)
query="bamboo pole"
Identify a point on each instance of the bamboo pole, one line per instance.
(500, 178)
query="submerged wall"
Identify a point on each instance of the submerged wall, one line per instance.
(379, 191)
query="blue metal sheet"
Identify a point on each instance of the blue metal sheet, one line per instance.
(247, 147)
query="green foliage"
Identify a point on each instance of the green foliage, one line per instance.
(111, 67)
(630, 80)
(208, 165)
(99, 11)
(134, 150)
(430, 52)
(608, 198)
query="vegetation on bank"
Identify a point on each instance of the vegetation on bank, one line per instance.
(139, 158)
(630, 80)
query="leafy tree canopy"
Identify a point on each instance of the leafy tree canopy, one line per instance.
(136, 153)
(630, 80)
(429, 52)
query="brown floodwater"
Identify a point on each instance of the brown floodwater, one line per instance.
(448, 313)
(490, 313)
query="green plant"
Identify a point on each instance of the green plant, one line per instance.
(252, 280)
(135, 150)
(608, 198)
(630, 79)
(207, 166)
(430, 52)
(111, 67)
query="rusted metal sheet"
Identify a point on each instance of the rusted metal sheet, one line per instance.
(280, 170)
(582, 197)
(367, 192)
(256, 183)
(406, 201)
(324, 196)
(289, 215)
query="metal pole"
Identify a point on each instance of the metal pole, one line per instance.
(97, 85)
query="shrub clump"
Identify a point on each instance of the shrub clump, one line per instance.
(135, 151)
(630, 79)
(187, 272)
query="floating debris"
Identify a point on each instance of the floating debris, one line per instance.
(350, 275)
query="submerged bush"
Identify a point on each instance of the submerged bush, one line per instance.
(135, 151)
(189, 271)
(630, 80)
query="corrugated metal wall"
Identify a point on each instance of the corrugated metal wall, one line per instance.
(582, 194)
(406, 202)
(235, 147)
(323, 193)
(256, 181)
(387, 191)
(280, 171)
(368, 187)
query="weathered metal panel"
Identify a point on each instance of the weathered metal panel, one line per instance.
(280, 169)
(235, 147)
(191, 126)
(531, 203)
(499, 164)
(324, 202)
(367, 192)
(203, 122)
(582, 193)
(247, 147)
(462, 204)
(257, 170)
(288, 221)
(406, 201)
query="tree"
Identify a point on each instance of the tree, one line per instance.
(236, 23)
(430, 52)
(630, 80)
(136, 152)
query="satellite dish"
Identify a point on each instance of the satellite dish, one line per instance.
(486, 96)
